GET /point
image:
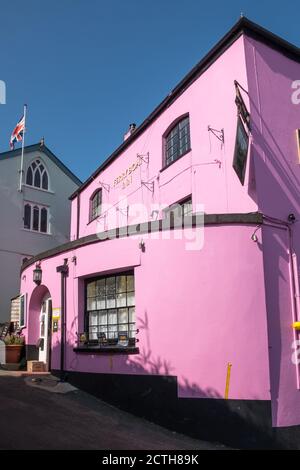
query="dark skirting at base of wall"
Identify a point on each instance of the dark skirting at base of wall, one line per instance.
(243, 424)
(32, 352)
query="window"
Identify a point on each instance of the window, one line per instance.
(22, 316)
(110, 310)
(177, 141)
(95, 204)
(37, 175)
(36, 218)
(180, 209)
(240, 151)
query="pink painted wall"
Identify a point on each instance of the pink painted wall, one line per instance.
(193, 318)
(209, 101)
(275, 119)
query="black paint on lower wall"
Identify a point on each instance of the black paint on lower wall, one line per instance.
(243, 424)
(32, 352)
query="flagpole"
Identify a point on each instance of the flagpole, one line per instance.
(22, 154)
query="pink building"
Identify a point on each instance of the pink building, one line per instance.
(185, 315)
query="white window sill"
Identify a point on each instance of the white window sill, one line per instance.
(36, 231)
(38, 189)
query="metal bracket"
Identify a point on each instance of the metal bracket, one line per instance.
(149, 185)
(218, 134)
(105, 186)
(144, 157)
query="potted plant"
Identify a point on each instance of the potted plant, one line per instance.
(13, 348)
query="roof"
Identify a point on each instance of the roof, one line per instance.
(243, 26)
(41, 148)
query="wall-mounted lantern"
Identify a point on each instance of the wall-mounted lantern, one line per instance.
(37, 274)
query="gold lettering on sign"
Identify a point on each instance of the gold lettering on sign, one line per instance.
(126, 177)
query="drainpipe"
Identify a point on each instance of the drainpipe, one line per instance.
(271, 221)
(64, 271)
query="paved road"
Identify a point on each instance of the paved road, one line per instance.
(31, 418)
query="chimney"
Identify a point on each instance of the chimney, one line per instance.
(130, 131)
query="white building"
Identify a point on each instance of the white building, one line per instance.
(34, 219)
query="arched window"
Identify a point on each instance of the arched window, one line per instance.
(95, 204)
(37, 175)
(177, 140)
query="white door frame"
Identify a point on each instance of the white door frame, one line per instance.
(45, 330)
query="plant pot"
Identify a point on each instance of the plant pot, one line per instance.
(13, 353)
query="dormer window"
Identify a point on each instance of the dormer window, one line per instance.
(95, 204)
(177, 140)
(37, 175)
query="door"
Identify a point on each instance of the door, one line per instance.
(45, 331)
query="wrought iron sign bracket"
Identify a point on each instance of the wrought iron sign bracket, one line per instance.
(105, 186)
(144, 157)
(218, 134)
(149, 185)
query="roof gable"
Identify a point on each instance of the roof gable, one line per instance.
(41, 148)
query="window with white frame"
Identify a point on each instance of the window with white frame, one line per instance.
(37, 175)
(110, 310)
(36, 217)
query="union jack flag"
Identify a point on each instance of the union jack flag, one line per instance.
(17, 133)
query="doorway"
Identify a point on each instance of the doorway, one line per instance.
(45, 332)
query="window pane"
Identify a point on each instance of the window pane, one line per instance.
(130, 298)
(113, 332)
(93, 319)
(123, 328)
(103, 317)
(37, 178)
(36, 218)
(132, 331)
(91, 289)
(29, 176)
(111, 292)
(187, 207)
(121, 284)
(112, 317)
(27, 216)
(130, 283)
(123, 315)
(45, 180)
(91, 303)
(121, 299)
(93, 333)
(132, 315)
(44, 220)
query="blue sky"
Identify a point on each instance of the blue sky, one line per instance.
(88, 68)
